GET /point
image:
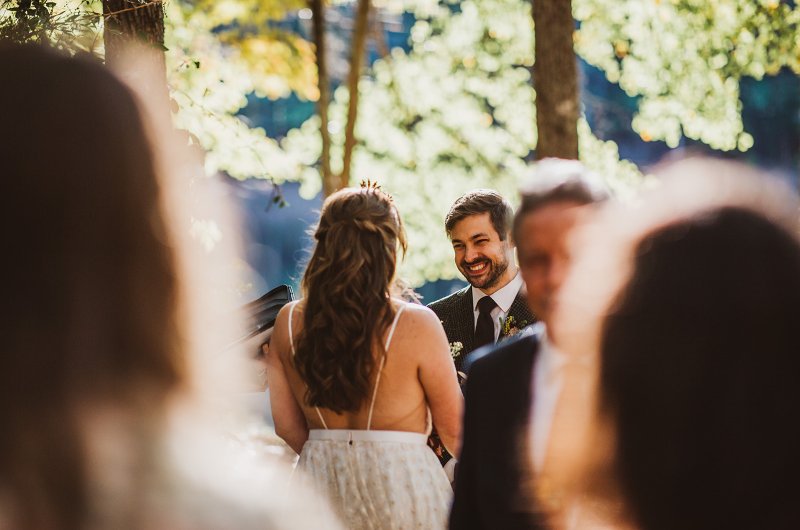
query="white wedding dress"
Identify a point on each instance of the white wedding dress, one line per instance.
(377, 479)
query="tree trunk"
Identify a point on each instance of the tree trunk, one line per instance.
(129, 21)
(555, 79)
(357, 58)
(378, 35)
(329, 181)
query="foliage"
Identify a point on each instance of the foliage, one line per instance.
(215, 57)
(455, 113)
(458, 111)
(69, 25)
(684, 58)
(214, 63)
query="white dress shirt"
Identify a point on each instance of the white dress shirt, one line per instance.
(503, 297)
(546, 380)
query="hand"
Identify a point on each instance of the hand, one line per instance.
(256, 348)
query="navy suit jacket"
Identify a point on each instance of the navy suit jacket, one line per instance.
(494, 455)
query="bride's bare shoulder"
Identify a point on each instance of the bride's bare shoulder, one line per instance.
(413, 309)
(295, 307)
(280, 336)
(420, 318)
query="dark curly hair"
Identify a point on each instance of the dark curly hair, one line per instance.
(347, 288)
(480, 201)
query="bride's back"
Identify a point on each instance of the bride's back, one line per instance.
(399, 400)
(348, 336)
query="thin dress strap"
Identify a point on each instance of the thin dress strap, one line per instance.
(291, 343)
(383, 361)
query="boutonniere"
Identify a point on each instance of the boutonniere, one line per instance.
(510, 327)
(455, 349)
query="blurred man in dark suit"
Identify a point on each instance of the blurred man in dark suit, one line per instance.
(511, 390)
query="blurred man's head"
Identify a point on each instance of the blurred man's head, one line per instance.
(478, 225)
(686, 306)
(551, 204)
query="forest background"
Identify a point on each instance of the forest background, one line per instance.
(432, 98)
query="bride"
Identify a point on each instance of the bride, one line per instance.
(356, 376)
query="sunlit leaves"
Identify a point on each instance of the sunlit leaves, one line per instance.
(456, 113)
(278, 61)
(69, 25)
(244, 13)
(211, 74)
(685, 57)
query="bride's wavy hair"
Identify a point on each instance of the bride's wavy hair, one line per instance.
(347, 287)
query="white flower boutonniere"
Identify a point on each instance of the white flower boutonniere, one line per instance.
(455, 349)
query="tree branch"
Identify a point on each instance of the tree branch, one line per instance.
(356, 59)
(318, 28)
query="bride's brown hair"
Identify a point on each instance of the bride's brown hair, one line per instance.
(347, 288)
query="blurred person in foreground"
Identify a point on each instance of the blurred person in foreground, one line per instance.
(692, 341)
(95, 360)
(516, 384)
(357, 376)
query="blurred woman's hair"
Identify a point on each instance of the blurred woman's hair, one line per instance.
(699, 354)
(701, 375)
(347, 287)
(89, 305)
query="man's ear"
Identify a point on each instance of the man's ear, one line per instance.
(510, 240)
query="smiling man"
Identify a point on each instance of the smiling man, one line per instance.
(513, 389)
(493, 305)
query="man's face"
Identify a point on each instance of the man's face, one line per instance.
(485, 261)
(543, 253)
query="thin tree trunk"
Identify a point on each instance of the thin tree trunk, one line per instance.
(329, 181)
(378, 34)
(359, 46)
(132, 23)
(129, 21)
(555, 79)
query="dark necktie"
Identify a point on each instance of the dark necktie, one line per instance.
(484, 329)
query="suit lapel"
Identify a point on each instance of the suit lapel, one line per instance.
(466, 320)
(520, 311)
(460, 325)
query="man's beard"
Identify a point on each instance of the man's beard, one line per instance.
(496, 270)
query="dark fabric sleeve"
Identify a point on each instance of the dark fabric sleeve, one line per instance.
(488, 479)
(465, 512)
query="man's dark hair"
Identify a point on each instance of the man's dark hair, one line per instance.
(481, 201)
(557, 180)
